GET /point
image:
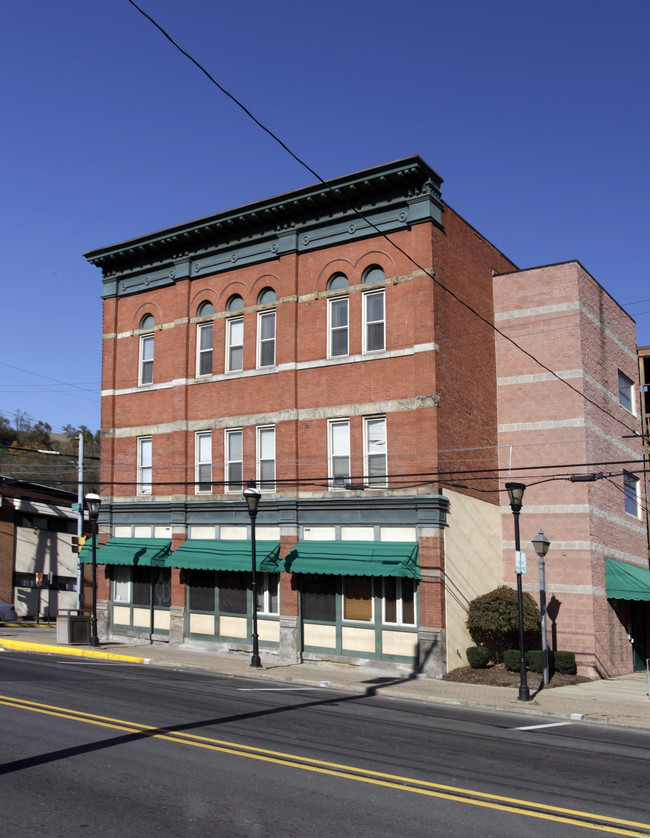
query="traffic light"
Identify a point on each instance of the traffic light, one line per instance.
(78, 542)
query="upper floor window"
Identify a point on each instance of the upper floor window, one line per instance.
(266, 295)
(205, 309)
(338, 313)
(625, 392)
(375, 451)
(235, 344)
(234, 461)
(235, 303)
(339, 453)
(203, 468)
(266, 339)
(266, 458)
(631, 491)
(146, 351)
(374, 322)
(337, 281)
(145, 470)
(204, 338)
(373, 273)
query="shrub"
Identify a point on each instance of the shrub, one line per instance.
(511, 660)
(493, 621)
(565, 662)
(534, 660)
(478, 657)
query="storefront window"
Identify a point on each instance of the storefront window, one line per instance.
(319, 598)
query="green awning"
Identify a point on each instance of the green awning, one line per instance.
(223, 554)
(355, 558)
(133, 552)
(626, 581)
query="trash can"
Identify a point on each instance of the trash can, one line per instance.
(72, 626)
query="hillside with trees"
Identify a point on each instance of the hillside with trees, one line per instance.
(30, 451)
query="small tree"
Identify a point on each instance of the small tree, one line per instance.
(493, 621)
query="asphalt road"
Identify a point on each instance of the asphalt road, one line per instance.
(107, 749)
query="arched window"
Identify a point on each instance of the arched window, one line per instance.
(235, 303)
(147, 322)
(266, 295)
(145, 373)
(337, 281)
(373, 273)
(204, 309)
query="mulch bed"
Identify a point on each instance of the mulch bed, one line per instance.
(497, 675)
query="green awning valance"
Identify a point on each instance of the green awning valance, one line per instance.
(222, 554)
(134, 552)
(626, 581)
(355, 558)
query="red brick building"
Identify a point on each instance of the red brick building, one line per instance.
(336, 345)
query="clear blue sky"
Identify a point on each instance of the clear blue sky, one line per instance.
(535, 114)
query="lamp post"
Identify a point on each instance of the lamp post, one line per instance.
(516, 493)
(541, 545)
(93, 502)
(252, 497)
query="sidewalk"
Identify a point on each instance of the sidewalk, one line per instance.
(618, 701)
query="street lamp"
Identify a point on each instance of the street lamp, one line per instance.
(93, 502)
(252, 497)
(541, 545)
(516, 493)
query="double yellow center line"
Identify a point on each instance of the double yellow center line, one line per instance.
(575, 817)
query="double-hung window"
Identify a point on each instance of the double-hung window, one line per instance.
(399, 600)
(625, 397)
(234, 461)
(266, 339)
(235, 347)
(203, 475)
(339, 445)
(375, 451)
(204, 335)
(145, 469)
(266, 458)
(145, 375)
(338, 327)
(631, 491)
(374, 321)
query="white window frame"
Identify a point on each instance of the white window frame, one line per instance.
(265, 342)
(146, 363)
(267, 432)
(145, 465)
(368, 454)
(122, 586)
(231, 346)
(399, 603)
(202, 352)
(626, 392)
(368, 323)
(631, 492)
(337, 482)
(234, 486)
(264, 595)
(203, 462)
(331, 329)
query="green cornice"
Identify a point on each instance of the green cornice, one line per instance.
(389, 197)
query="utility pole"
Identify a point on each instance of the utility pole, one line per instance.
(80, 519)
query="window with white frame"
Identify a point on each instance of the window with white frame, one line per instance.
(146, 351)
(625, 397)
(235, 345)
(338, 315)
(266, 458)
(399, 600)
(339, 451)
(358, 598)
(631, 491)
(234, 461)
(266, 339)
(375, 451)
(267, 593)
(145, 470)
(203, 461)
(374, 322)
(204, 337)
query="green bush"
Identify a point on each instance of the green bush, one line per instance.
(564, 662)
(534, 660)
(478, 657)
(511, 660)
(493, 621)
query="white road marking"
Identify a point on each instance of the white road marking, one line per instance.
(539, 727)
(273, 689)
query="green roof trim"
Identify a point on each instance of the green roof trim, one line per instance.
(355, 558)
(133, 552)
(223, 554)
(627, 581)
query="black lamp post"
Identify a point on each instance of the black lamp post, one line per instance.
(541, 545)
(252, 497)
(516, 493)
(93, 502)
